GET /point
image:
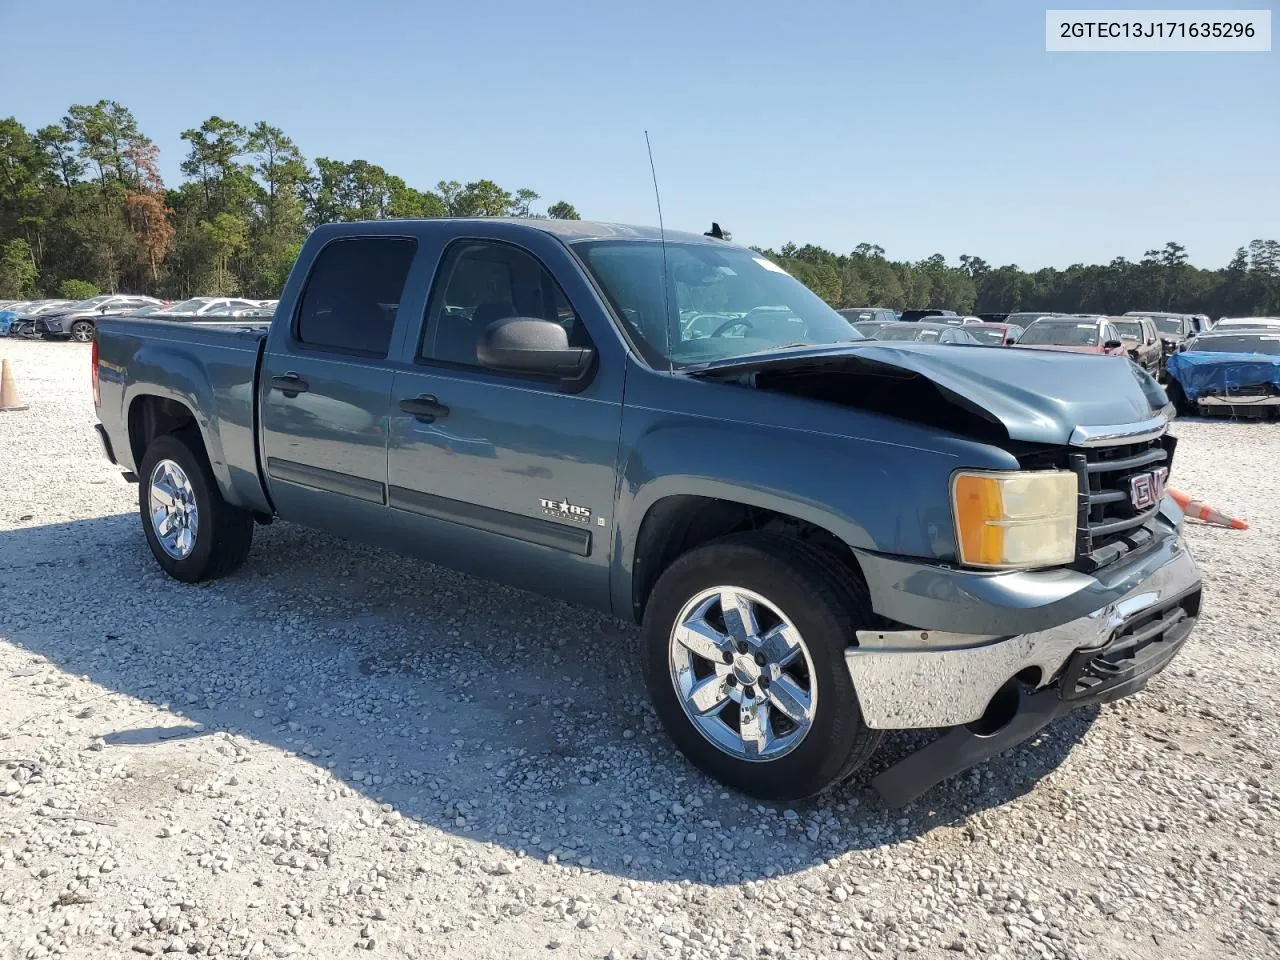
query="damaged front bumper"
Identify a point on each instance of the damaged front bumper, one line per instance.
(996, 690)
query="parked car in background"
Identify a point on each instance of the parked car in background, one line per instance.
(1227, 323)
(924, 313)
(1027, 318)
(992, 317)
(21, 322)
(1234, 371)
(9, 311)
(1173, 327)
(1075, 334)
(218, 306)
(868, 328)
(995, 334)
(77, 321)
(1143, 343)
(955, 320)
(856, 315)
(922, 331)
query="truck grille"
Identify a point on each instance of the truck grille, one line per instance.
(1109, 523)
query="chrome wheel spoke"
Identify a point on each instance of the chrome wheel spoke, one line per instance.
(739, 615)
(779, 645)
(700, 638)
(787, 697)
(164, 494)
(755, 729)
(709, 695)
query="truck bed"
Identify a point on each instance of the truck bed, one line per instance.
(210, 367)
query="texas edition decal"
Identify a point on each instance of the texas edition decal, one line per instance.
(564, 510)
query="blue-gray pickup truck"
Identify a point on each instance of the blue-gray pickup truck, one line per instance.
(822, 537)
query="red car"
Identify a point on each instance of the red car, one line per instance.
(1075, 334)
(995, 334)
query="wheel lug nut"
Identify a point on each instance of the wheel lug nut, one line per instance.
(748, 691)
(764, 682)
(728, 657)
(742, 647)
(760, 659)
(731, 680)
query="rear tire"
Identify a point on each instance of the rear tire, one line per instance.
(823, 602)
(220, 534)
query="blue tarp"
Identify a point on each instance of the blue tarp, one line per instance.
(1222, 373)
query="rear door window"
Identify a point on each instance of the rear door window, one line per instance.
(351, 298)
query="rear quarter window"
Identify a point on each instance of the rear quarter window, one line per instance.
(349, 304)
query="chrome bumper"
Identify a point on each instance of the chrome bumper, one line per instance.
(921, 678)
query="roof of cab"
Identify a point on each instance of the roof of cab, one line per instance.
(568, 231)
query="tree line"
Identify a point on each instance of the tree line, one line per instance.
(1162, 280)
(83, 209)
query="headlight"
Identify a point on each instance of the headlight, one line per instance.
(1012, 520)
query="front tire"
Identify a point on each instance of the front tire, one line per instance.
(193, 532)
(82, 331)
(743, 646)
(1178, 398)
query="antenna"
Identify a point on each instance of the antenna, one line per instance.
(662, 236)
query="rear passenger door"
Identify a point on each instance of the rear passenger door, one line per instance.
(326, 385)
(501, 474)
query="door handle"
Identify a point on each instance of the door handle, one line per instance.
(425, 408)
(290, 384)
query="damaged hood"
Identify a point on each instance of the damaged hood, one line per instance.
(1034, 396)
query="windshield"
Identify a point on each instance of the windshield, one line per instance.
(906, 331)
(1169, 325)
(987, 335)
(1243, 344)
(188, 306)
(1128, 330)
(1061, 333)
(725, 301)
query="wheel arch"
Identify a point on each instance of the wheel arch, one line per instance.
(677, 523)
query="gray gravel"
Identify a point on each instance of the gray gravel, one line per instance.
(332, 751)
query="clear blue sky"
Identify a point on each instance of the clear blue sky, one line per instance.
(924, 127)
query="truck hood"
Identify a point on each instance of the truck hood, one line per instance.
(1030, 396)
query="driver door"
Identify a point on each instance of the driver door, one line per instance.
(501, 474)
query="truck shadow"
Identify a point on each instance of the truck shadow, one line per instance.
(477, 709)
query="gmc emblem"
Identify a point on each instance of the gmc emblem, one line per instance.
(1147, 489)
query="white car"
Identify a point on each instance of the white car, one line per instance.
(212, 307)
(1247, 322)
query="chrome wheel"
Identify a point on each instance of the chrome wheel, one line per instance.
(743, 673)
(82, 331)
(174, 515)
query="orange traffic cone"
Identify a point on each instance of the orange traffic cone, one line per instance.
(1202, 511)
(8, 389)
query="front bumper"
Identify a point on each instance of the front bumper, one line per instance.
(908, 679)
(1239, 400)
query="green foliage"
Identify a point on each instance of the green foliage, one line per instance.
(562, 211)
(17, 270)
(77, 290)
(1162, 280)
(86, 198)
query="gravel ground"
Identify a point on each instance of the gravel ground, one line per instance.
(330, 752)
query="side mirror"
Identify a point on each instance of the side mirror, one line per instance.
(1113, 345)
(525, 345)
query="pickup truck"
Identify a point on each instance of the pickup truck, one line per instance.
(822, 537)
